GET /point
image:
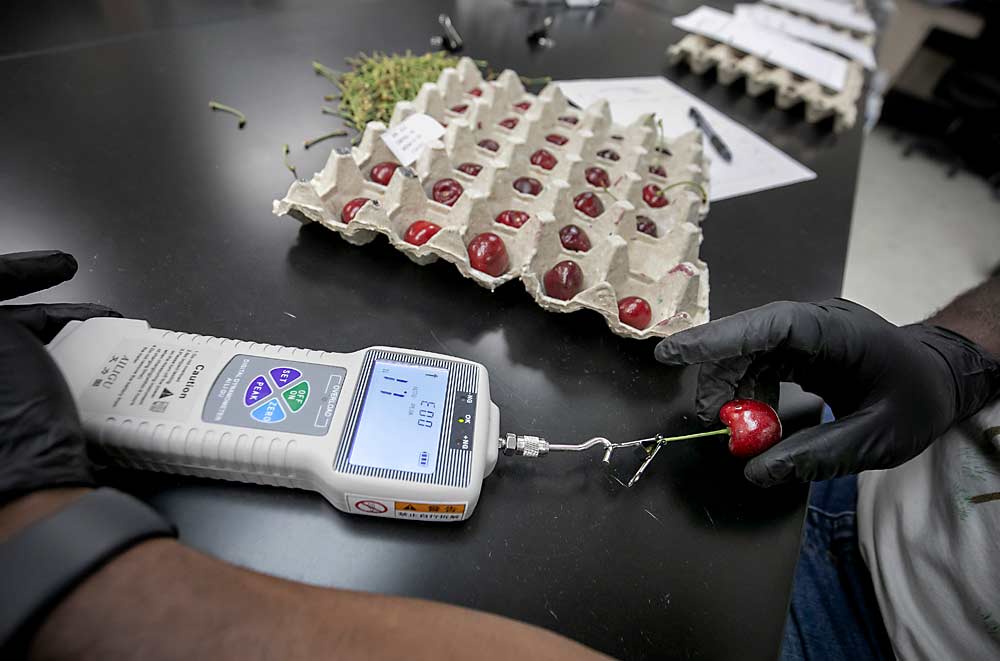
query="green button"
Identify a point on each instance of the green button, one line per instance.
(296, 396)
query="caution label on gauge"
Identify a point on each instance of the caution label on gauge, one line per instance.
(430, 511)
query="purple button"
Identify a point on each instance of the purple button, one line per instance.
(256, 391)
(282, 376)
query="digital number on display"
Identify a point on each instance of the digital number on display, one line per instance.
(400, 420)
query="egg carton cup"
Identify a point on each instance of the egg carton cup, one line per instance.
(702, 54)
(622, 261)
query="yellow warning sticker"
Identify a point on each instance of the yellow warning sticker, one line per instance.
(429, 511)
(443, 508)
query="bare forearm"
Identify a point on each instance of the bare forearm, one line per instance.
(975, 315)
(161, 600)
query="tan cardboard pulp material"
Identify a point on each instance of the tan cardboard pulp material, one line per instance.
(622, 261)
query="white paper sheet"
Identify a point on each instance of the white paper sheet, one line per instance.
(830, 11)
(828, 69)
(757, 165)
(806, 30)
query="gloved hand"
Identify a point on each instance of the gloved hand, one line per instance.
(893, 389)
(41, 441)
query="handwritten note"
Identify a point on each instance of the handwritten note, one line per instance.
(408, 139)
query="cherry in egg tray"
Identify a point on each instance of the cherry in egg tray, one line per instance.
(586, 213)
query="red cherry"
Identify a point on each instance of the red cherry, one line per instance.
(382, 172)
(753, 426)
(508, 123)
(475, 91)
(635, 312)
(522, 105)
(460, 108)
(544, 159)
(351, 209)
(609, 154)
(471, 169)
(512, 218)
(487, 253)
(683, 268)
(646, 225)
(573, 238)
(569, 119)
(527, 185)
(487, 143)
(446, 191)
(652, 196)
(658, 171)
(420, 232)
(589, 204)
(597, 177)
(557, 139)
(564, 280)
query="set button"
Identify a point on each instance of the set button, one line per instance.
(282, 376)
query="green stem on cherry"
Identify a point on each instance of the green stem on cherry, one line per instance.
(717, 432)
(670, 439)
(694, 184)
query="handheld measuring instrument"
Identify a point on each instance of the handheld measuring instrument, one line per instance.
(382, 431)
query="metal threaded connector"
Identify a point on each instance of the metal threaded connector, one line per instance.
(525, 446)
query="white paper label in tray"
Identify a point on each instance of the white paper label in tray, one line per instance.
(806, 30)
(804, 59)
(835, 13)
(408, 139)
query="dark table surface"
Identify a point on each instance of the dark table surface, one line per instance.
(111, 153)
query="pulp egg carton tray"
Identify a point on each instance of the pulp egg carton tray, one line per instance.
(664, 270)
(703, 54)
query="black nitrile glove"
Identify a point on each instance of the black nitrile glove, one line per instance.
(893, 389)
(41, 441)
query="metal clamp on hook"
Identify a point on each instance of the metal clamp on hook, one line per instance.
(451, 40)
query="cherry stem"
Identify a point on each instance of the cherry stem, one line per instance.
(334, 134)
(326, 72)
(717, 432)
(291, 168)
(215, 105)
(693, 184)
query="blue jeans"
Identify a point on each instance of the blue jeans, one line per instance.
(833, 612)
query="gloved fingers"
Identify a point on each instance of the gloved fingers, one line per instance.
(27, 272)
(735, 378)
(851, 444)
(746, 333)
(717, 384)
(46, 320)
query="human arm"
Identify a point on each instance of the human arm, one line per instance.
(162, 600)
(894, 390)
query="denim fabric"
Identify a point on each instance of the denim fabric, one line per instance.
(833, 612)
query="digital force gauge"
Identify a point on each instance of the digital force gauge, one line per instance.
(384, 432)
